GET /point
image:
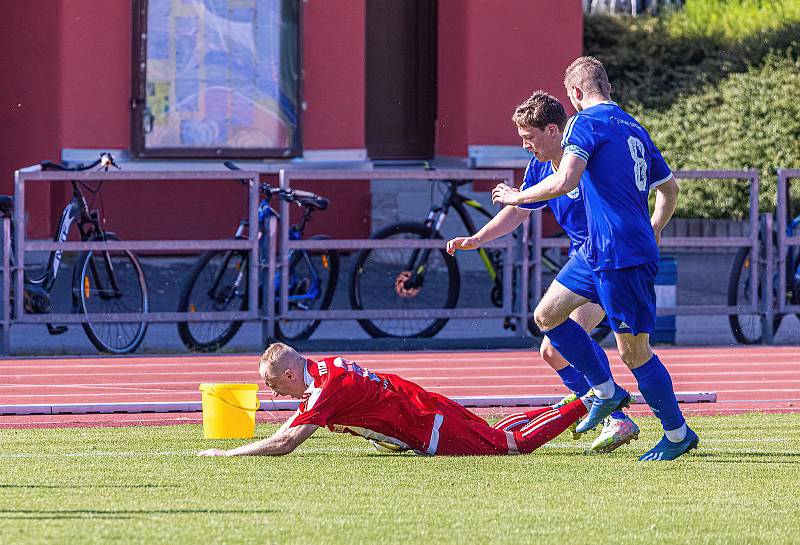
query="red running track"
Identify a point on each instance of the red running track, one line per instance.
(746, 379)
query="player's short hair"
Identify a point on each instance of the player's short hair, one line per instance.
(277, 358)
(540, 110)
(588, 74)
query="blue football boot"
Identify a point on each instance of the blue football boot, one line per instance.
(667, 450)
(602, 408)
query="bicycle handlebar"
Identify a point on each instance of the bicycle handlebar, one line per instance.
(288, 195)
(103, 162)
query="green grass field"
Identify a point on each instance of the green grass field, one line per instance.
(145, 485)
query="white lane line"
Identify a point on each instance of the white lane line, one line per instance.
(548, 379)
(701, 358)
(509, 390)
(528, 372)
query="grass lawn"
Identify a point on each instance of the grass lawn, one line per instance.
(145, 485)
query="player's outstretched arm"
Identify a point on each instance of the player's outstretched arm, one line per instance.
(508, 219)
(559, 183)
(285, 440)
(666, 201)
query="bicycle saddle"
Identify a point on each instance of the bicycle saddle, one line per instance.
(6, 205)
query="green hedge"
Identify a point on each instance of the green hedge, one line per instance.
(716, 86)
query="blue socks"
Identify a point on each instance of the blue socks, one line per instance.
(655, 385)
(578, 349)
(573, 380)
(578, 384)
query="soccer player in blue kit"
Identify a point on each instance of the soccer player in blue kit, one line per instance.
(617, 265)
(540, 121)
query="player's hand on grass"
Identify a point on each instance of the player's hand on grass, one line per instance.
(212, 452)
(462, 243)
(504, 194)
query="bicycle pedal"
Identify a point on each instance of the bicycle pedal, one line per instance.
(56, 329)
(509, 324)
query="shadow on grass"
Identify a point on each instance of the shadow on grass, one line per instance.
(750, 457)
(59, 514)
(59, 486)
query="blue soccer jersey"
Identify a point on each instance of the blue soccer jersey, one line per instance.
(623, 164)
(568, 209)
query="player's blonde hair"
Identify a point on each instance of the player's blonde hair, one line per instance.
(277, 358)
(589, 75)
(540, 110)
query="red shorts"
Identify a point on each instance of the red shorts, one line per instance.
(462, 433)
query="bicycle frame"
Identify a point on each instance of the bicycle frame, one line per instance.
(76, 209)
(459, 203)
(265, 215)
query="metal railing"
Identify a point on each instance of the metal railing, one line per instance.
(280, 246)
(287, 245)
(14, 275)
(784, 241)
(541, 243)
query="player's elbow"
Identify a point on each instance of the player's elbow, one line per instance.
(285, 446)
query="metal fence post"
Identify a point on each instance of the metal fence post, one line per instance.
(781, 216)
(768, 315)
(19, 242)
(283, 301)
(5, 338)
(525, 287)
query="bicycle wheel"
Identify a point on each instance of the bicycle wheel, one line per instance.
(378, 281)
(111, 283)
(312, 283)
(746, 328)
(218, 282)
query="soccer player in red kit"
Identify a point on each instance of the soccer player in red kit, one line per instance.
(391, 412)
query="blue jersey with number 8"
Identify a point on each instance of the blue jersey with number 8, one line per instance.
(623, 164)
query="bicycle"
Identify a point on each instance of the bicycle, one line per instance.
(404, 276)
(109, 281)
(219, 279)
(747, 328)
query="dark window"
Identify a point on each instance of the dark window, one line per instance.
(216, 78)
(400, 79)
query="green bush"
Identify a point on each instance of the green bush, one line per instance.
(731, 20)
(750, 120)
(715, 84)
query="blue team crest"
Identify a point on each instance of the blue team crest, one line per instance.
(575, 193)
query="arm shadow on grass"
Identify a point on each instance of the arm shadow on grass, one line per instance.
(60, 514)
(89, 486)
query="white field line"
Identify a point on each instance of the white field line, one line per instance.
(329, 450)
(146, 454)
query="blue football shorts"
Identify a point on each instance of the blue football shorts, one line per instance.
(627, 295)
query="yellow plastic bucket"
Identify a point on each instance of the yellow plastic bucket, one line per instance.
(229, 410)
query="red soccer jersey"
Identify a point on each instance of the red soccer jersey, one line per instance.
(347, 398)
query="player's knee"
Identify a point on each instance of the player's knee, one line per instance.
(544, 319)
(633, 355)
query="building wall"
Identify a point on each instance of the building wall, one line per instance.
(491, 57)
(67, 68)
